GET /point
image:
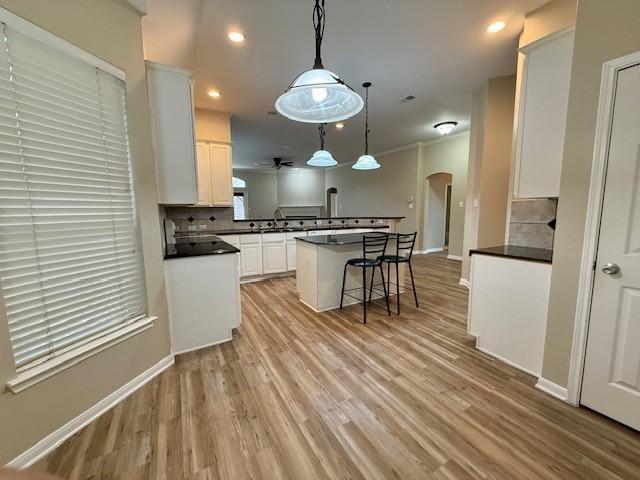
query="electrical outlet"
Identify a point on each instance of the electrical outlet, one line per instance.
(461, 204)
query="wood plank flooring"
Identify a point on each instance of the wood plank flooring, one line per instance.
(300, 395)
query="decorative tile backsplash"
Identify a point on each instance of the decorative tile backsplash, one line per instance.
(532, 222)
(202, 219)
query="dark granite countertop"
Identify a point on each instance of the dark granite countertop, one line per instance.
(282, 230)
(344, 239)
(519, 253)
(213, 246)
(304, 217)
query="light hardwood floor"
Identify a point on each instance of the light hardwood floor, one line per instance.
(301, 395)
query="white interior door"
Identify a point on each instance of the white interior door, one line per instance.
(611, 381)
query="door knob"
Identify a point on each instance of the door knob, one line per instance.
(611, 268)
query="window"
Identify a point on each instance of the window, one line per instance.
(238, 183)
(239, 206)
(70, 260)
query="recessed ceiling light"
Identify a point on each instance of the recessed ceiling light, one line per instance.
(496, 27)
(445, 128)
(237, 37)
(339, 126)
(214, 93)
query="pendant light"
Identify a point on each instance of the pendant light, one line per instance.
(322, 158)
(366, 161)
(318, 95)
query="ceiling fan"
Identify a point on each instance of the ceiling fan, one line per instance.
(277, 164)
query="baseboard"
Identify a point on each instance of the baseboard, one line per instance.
(465, 283)
(260, 278)
(455, 257)
(55, 439)
(502, 359)
(552, 389)
(431, 250)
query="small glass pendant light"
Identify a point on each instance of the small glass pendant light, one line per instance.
(322, 158)
(366, 161)
(319, 95)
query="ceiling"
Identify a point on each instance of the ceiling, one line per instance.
(436, 50)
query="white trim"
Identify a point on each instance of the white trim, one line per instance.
(552, 389)
(455, 257)
(207, 345)
(38, 373)
(260, 278)
(431, 250)
(594, 211)
(465, 283)
(33, 31)
(397, 149)
(54, 439)
(546, 39)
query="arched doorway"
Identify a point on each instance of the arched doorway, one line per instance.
(332, 202)
(437, 212)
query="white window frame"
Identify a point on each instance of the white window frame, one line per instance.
(24, 379)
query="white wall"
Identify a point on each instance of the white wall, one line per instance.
(301, 188)
(261, 192)
(382, 192)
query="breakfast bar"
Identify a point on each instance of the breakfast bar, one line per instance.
(320, 264)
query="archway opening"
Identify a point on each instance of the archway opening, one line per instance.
(437, 212)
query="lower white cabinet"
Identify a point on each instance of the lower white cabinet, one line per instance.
(251, 259)
(274, 257)
(204, 300)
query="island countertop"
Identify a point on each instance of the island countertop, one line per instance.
(518, 253)
(344, 239)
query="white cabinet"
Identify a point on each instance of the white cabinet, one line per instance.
(171, 108)
(214, 173)
(274, 253)
(204, 300)
(542, 113)
(508, 309)
(251, 258)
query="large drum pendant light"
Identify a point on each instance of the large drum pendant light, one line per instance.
(322, 158)
(318, 95)
(366, 161)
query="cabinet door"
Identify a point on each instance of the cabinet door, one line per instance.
(251, 260)
(203, 174)
(171, 108)
(544, 98)
(221, 175)
(291, 255)
(274, 257)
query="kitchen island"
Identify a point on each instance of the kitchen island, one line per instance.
(320, 264)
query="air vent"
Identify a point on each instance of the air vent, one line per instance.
(408, 98)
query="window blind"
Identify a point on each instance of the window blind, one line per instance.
(70, 262)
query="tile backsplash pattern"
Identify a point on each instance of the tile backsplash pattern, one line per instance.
(201, 219)
(532, 222)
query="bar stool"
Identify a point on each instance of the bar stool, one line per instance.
(374, 246)
(404, 250)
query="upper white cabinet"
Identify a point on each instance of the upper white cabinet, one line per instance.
(542, 114)
(172, 121)
(215, 174)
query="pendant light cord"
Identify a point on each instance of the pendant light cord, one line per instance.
(366, 122)
(318, 25)
(322, 133)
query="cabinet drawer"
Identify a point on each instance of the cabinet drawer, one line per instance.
(314, 233)
(230, 239)
(273, 237)
(249, 239)
(293, 235)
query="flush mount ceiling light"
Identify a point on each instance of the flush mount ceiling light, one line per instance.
(496, 27)
(322, 158)
(366, 161)
(445, 128)
(214, 93)
(318, 95)
(237, 37)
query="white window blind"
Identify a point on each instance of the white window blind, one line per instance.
(70, 262)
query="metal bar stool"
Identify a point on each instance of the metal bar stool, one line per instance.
(404, 250)
(374, 246)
